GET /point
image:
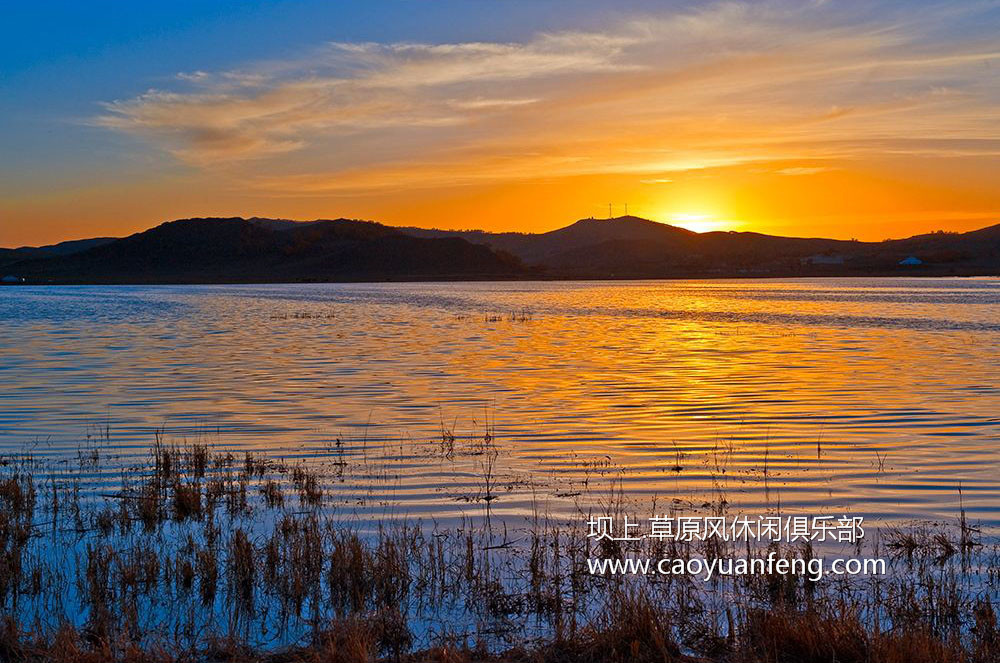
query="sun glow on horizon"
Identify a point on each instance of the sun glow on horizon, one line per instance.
(699, 223)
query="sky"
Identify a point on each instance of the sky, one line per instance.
(836, 119)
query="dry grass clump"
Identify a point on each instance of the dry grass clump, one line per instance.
(631, 629)
(149, 505)
(17, 506)
(187, 500)
(274, 496)
(242, 570)
(813, 637)
(307, 483)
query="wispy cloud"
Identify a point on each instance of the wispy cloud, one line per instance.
(728, 84)
(801, 170)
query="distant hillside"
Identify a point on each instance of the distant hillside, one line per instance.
(631, 247)
(8, 256)
(262, 250)
(258, 250)
(550, 248)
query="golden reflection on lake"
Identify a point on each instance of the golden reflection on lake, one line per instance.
(871, 396)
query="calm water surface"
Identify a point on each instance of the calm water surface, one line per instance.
(864, 396)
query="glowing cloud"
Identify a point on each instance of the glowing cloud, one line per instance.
(732, 83)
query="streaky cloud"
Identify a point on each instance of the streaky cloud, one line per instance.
(729, 83)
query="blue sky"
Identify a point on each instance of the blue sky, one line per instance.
(87, 89)
(61, 60)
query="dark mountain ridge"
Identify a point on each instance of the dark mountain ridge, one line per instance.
(258, 249)
(632, 247)
(240, 250)
(61, 249)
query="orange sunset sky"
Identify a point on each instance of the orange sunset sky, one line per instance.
(807, 119)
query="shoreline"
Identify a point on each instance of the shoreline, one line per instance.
(533, 279)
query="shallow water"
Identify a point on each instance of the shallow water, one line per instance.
(873, 397)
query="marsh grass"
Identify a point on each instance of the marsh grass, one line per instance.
(206, 555)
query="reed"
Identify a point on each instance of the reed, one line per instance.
(204, 555)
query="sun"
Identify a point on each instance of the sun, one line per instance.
(699, 223)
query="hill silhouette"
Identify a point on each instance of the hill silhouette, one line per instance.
(8, 256)
(261, 250)
(241, 250)
(632, 247)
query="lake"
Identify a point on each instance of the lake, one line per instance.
(875, 397)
